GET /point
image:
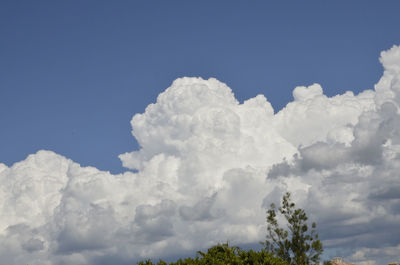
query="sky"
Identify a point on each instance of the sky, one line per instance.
(176, 123)
(74, 73)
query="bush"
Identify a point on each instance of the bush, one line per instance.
(223, 254)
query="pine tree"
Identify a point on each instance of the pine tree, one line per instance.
(295, 245)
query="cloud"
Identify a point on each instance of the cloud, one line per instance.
(357, 181)
(207, 168)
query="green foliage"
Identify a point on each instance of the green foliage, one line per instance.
(225, 255)
(296, 245)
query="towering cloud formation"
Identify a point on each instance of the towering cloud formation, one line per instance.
(207, 168)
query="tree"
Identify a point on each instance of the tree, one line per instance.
(297, 246)
(223, 254)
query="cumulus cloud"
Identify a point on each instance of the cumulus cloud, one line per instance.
(357, 182)
(207, 168)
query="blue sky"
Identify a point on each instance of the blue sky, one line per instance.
(73, 73)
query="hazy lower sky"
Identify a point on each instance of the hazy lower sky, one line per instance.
(147, 129)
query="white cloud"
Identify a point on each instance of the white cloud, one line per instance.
(314, 117)
(207, 168)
